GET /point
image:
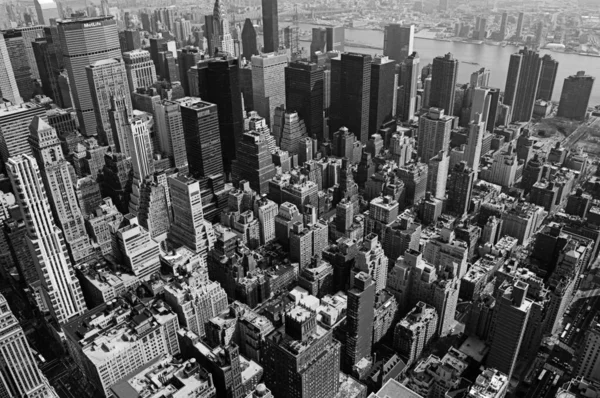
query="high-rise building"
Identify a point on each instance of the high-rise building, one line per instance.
(266, 211)
(48, 59)
(268, 83)
(253, 162)
(415, 331)
(46, 10)
(188, 57)
(522, 84)
(202, 139)
(8, 83)
(304, 94)
(318, 42)
(408, 78)
(443, 83)
(437, 174)
(507, 332)
(547, 78)
(59, 186)
(359, 318)
(353, 74)
(249, 40)
(169, 127)
(519, 29)
(336, 38)
(14, 128)
(480, 78)
(17, 53)
(30, 34)
(372, 261)
(460, 186)
(575, 96)
(83, 42)
(291, 133)
(141, 71)
(270, 19)
(218, 33)
(588, 365)
(382, 93)
(398, 41)
(21, 377)
(474, 145)
(60, 289)
(434, 133)
(301, 358)
(503, 26)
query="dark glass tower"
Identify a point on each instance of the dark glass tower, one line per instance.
(270, 25)
(359, 320)
(575, 96)
(547, 78)
(522, 84)
(354, 94)
(459, 188)
(254, 162)
(15, 44)
(443, 83)
(408, 76)
(249, 41)
(304, 94)
(383, 71)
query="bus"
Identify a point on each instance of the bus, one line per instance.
(542, 374)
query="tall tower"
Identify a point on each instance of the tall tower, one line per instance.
(503, 25)
(21, 377)
(220, 39)
(408, 77)
(522, 84)
(59, 286)
(460, 186)
(575, 96)
(268, 84)
(17, 52)
(398, 41)
(270, 25)
(254, 162)
(382, 93)
(8, 84)
(60, 188)
(434, 134)
(83, 42)
(443, 83)
(249, 40)
(304, 87)
(519, 30)
(141, 71)
(359, 320)
(589, 363)
(46, 10)
(547, 78)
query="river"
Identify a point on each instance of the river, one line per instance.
(495, 58)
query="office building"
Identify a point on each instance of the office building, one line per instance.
(434, 133)
(382, 93)
(547, 78)
(202, 138)
(437, 174)
(480, 78)
(56, 175)
(270, 18)
(460, 186)
(519, 29)
(588, 365)
(83, 42)
(511, 317)
(359, 318)
(140, 69)
(522, 84)
(253, 162)
(188, 57)
(398, 41)
(217, 31)
(60, 288)
(171, 139)
(372, 261)
(266, 212)
(408, 78)
(17, 53)
(135, 248)
(353, 74)
(8, 83)
(268, 83)
(575, 96)
(118, 337)
(473, 149)
(318, 43)
(14, 128)
(302, 358)
(304, 93)
(249, 40)
(414, 177)
(46, 11)
(443, 83)
(415, 331)
(336, 38)
(21, 377)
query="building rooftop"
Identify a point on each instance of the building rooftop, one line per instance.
(488, 384)
(393, 389)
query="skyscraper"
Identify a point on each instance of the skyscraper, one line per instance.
(141, 71)
(253, 162)
(17, 52)
(304, 94)
(268, 83)
(460, 186)
(443, 83)
(575, 96)
(30, 34)
(270, 26)
(434, 134)
(547, 78)
(318, 42)
(336, 38)
(519, 29)
(249, 40)
(21, 377)
(398, 41)
(46, 10)
(382, 93)
(588, 365)
(108, 84)
(59, 185)
(437, 174)
(202, 139)
(171, 139)
(83, 42)
(503, 25)
(14, 128)
(60, 288)
(8, 83)
(359, 318)
(408, 77)
(354, 76)
(522, 84)
(480, 78)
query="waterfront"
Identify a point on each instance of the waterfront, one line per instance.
(495, 58)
